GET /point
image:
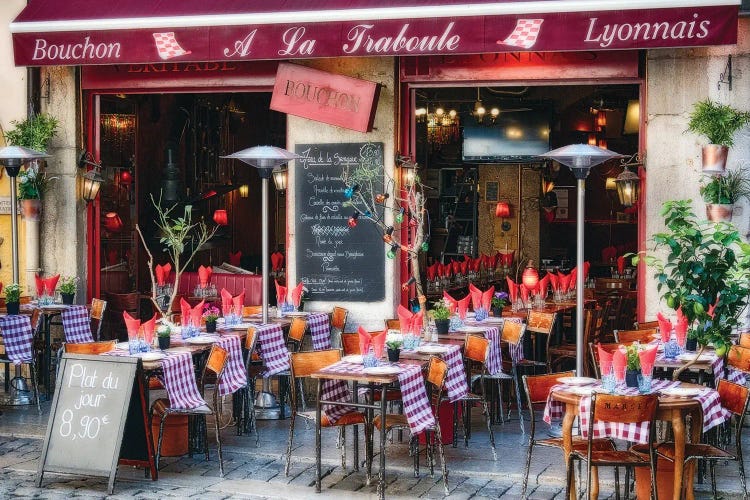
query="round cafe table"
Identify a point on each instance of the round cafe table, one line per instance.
(671, 409)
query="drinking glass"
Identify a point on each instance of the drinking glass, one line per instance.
(644, 383)
(609, 382)
(369, 360)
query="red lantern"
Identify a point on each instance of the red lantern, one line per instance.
(126, 177)
(549, 214)
(502, 210)
(530, 276)
(112, 222)
(220, 217)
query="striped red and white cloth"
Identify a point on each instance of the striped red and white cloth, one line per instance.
(713, 413)
(272, 349)
(235, 376)
(77, 325)
(732, 374)
(320, 330)
(336, 390)
(179, 381)
(495, 354)
(455, 380)
(413, 393)
(17, 337)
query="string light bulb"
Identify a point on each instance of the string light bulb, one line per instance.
(353, 219)
(392, 252)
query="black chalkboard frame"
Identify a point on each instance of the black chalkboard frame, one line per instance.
(136, 369)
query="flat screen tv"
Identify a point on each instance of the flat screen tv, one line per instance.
(514, 137)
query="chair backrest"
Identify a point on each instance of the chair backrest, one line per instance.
(536, 388)
(303, 364)
(646, 325)
(393, 324)
(540, 322)
(618, 408)
(338, 318)
(350, 343)
(734, 397)
(215, 364)
(642, 336)
(512, 332)
(98, 306)
(739, 357)
(436, 372)
(250, 339)
(744, 340)
(594, 354)
(91, 347)
(475, 348)
(297, 329)
(251, 310)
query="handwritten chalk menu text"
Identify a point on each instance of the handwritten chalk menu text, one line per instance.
(335, 261)
(87, 419)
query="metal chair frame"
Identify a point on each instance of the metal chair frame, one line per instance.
(32, 363)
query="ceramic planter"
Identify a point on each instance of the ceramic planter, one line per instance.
(631, 378)
(67, 298)
(13, 307)
(210, 326)
(442, 326)
(31, 209)
(714, 158)
(718, 212)
(164, 342)
(394, 355)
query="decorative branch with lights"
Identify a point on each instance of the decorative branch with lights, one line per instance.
(407, 206)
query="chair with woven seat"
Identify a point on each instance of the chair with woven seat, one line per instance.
(214, 367)
(734, 398)
(608, 408)
(435, 379)
(537, 388)
(96, 316)
(475, 356)
(338, 325)
(644, 336)
(302, 366)
(540, 323)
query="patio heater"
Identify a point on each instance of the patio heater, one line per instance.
(265, 159)
(12, 158)
(580, 158)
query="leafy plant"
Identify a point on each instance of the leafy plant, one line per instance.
(440, 310)
(32, 183)
(633, 360)
(210, 313)
(163, 330)
(717, 122)
(68, 284)
(34, 132)
(705, 274)
(394, 340)
(726, 189)
(13, 293)
(499, 299)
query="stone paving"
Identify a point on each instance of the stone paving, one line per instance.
(258, 472)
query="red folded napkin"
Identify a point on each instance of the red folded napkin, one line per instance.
(191, 314)
(296, 294)
(665, 327)
(605, 360)
(681, 327)
(512, 290)
(586, 267)
(507, 257)
(448, 269)
(573, 278)
(410, 322)
(554, 281)
(280, 293)
(463, 307)
(39, 285)
(277, 261)
(456, 266)
(46, 286)
(235, 258)
(148, 330)
(226, 301)
(476, 296)
(564, 281)
(204, 275)
(524, 293)
(619, 363)
(647, 358)
(377, 341)
(476, 264)
(131, 325)
(487, 298)
(543, 285)
(432, 272)
(464, 267)
(159, 272)
(621, 265)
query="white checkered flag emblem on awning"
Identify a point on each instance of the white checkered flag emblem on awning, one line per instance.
(525, 33)
(168, 46)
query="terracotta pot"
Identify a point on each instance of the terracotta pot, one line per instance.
(719, 213)
(31, 209)
(714, 158)
(664, 479)
(175, 437)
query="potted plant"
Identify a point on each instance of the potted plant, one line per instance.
(718, 123)
(633, 367)
(13, 298)
(704, 274)
(163, 334)
(67, 288)
(393, 342)
(210, 315)
(721, 192)
(499, 299)
(441, 314)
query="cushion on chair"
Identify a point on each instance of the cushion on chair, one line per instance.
(391, 420)
(692, 450)
(579, 444)
(353, 418)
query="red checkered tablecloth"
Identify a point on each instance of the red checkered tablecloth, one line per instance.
(713, 413)
(495, 356)
(179, 381)
(732, 374)
(320, 330)
(17, 337)
(456, 386)
(272, 349)
(77, 325)
(413, 393)
(235, 376)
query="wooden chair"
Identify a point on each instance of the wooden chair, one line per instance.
(475, 356)
(338, 324)
(251, 310)
(744, 340)
(734, 398)
(540, 323)
(435, 379)
(646, 325)
(350, 342)
(98, 306)
(215, 364)
(537, 388)
(91, 347)
(594, 355)
(296, 335)
(739, 358)
(393, 324)
(592, 321)
(626, 314)
(511, 334)
(609, 408)
(302, 365)
(644, 336)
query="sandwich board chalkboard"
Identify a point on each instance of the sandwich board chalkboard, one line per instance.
(99, 400)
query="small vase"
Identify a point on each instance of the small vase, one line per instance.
(164, 342)
(719, 212)
(13, 307)
(31, 209)
(691, 344)
(442, 325)
(714, 158)
(210, 326)
(497, 312)
(393, 355)
(67, 298)
(631, 378)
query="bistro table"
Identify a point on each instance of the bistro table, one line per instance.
(671, 409)
(47, 313)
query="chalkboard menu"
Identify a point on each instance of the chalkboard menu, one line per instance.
(336, 262)
(87, 421)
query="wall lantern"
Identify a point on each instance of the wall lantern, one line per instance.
(610, 184)
(244, 191)
(220, 217)
(628, 187)
(502, 211)
(280, 177)
(632, 118)
(92, 180)
(112, 222)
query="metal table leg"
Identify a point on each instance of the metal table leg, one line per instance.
(381, 479)
(318, 390)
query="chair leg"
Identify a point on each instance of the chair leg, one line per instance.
(518, 402)
(342, 440)
(489, 428)
(442, 458)
(158, 441)
(741, 463)
(526, 470)
(617, 483)
(455, 424)
(35, 385)
(712, 465)
(500, 401)
(569, 476)
(218, 444)
(430, 452)
(302, 395)
(204, 422)
(289, 444)
(355, 432)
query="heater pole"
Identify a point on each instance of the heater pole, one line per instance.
(579, 275)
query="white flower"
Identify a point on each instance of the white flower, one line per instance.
(162, 329)
(394, 337)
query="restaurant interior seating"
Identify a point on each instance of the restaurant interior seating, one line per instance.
(251, 284)
(117, 303)
(97, 310)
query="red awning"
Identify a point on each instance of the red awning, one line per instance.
(78, 32)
